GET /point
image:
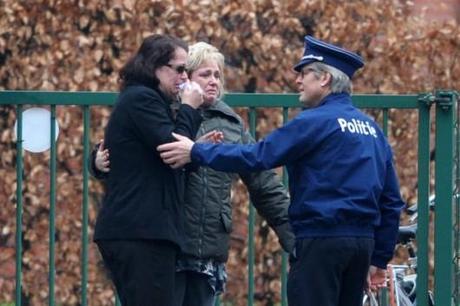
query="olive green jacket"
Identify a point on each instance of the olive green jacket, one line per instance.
(208, 202)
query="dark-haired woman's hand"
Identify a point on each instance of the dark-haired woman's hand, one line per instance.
(192, 94)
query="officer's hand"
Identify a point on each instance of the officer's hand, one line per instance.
(376, 278)
(176, 154)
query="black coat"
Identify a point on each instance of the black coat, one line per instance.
(144, 196)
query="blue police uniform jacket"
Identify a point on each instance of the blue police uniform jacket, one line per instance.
(342, 179)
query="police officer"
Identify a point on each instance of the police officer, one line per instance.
(345, 199)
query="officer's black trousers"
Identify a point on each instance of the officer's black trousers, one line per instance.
(143, 271)
(329, 271)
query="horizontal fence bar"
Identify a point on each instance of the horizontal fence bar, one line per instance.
(9, 97)
(57, 97)
(292, 100)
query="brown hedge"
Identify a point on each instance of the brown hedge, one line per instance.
(81, 45)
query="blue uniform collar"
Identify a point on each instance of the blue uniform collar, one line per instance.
(333, 98)
(336, 98)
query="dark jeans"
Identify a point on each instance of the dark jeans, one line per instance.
(329, 271)
(193, 289)
(143, 271)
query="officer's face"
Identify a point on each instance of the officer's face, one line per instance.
(312, 86)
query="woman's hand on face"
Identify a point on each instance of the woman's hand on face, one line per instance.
(192, 94)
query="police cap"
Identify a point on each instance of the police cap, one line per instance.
(319, 51)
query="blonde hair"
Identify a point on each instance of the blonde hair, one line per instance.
(201, 52)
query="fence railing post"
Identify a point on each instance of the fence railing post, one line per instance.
(457, 200)
(444, 252)
(423, 194)
(19, 170)
(284, 259)
(52, 216)
(84, 225)
(251, 220)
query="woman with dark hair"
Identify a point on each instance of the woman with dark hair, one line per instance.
(139, 227)
(201, 274)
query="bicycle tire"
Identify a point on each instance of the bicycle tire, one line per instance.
(403, 299)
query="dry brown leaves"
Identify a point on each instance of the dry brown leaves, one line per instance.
(81, 45)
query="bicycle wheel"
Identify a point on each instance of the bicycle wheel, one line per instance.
(403, 299)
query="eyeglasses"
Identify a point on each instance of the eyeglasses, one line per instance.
(306, 71)
(179, 69)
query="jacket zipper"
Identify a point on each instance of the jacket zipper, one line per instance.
(204, 178)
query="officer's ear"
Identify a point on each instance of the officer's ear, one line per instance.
(326, 79)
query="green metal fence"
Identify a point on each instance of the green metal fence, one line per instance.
(447, 179)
